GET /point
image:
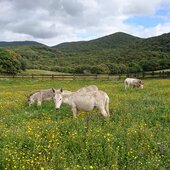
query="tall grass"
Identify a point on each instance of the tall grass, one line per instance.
(135, 137)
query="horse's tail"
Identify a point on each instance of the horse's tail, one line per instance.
(107, 105)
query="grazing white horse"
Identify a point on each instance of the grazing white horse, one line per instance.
(48, 94)
(43, 95)
(83, 101)
(88, 88)
(132, 82)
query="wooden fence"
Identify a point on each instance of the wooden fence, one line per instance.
(141, 75)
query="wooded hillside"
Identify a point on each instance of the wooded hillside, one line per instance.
(116, 53)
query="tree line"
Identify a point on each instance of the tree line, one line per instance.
(117, 60)
(11, 62)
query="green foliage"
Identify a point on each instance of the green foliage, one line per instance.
(135, 137)
(82, 69)
(134, 68)
(10, 62)
(119, 52)
(99, 69)
(160, 43)
(23, 64)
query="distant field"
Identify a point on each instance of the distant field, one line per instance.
(160, 70)
(135, 137)
(164, 70)
(34, 71)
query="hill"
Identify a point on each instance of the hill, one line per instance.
(40, 57)
(115, 53)
(158, 43)
(19, 43)
(117, 40)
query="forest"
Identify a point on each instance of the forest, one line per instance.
(115, 53)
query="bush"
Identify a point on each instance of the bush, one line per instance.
(10, 62)
(100, 69)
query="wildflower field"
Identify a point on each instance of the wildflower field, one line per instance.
(136, 136)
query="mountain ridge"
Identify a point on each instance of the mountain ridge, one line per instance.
(115, 40)
(119, 52)
(116, 36)
(20, 43)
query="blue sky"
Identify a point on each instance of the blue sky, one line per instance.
(145, 21)
(148, 21)
(55, 21)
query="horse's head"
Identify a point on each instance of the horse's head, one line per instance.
(30, 100)
(141, 84)
(57, 97)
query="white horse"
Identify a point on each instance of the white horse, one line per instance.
(48, 94)
(83, 101)
(43, 95)
(133, 82)
(88, 88)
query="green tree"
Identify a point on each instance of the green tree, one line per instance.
(114, 68)
(100, 69)
(10, 62)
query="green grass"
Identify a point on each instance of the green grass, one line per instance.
(135, 137)
(163, 70)
(35, 71)
(157, 71)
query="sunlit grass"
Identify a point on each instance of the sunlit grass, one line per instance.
(135, 137)
(35, 71)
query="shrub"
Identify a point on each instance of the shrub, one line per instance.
(10, 62)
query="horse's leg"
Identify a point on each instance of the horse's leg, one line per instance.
(103, 111)
(74, 110)
(126, 85)
(107, 107)
(39, 102)
(39, 99)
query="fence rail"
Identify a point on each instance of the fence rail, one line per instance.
(161, 74)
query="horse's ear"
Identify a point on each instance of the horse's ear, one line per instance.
(53, 90)
(61, 90)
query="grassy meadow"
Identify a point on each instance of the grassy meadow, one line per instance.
(35, 71)
(135, 137)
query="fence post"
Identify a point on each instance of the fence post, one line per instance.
(153, 73)
(32, 76)
(108, 77)
(163, 74)
(119, 76)
(143, 74)
(136, 75)
(96, 76)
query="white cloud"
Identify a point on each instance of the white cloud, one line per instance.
(55, 21)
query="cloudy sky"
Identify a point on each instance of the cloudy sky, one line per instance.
(55, 21)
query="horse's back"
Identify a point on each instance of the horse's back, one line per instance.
(88, 88)
(91, 97)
